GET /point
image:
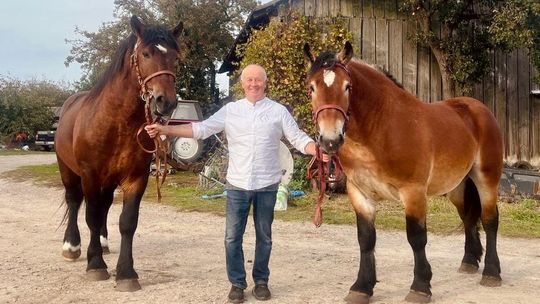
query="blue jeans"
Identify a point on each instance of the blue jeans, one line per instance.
(238, 205)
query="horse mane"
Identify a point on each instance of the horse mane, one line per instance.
(152, 35)
(327, 60)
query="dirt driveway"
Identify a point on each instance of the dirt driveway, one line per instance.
(180, 258)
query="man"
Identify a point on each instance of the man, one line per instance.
(253, 126)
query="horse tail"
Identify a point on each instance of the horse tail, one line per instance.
(472, 210)
(66, 211)
(472, 206)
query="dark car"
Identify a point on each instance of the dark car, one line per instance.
(45, 138)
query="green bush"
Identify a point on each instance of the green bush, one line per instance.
(279, 49)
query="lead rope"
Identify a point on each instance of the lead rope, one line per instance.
(161, 149)
(323, 174)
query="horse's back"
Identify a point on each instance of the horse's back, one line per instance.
(480, 121)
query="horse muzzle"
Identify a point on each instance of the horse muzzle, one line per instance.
(161, 107)
(331, 145)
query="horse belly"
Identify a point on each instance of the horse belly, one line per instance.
(373, 187)
(446, 178)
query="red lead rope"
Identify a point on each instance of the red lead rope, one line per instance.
(323, 173)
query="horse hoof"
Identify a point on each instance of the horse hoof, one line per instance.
(418, 297)
(468, 268)
(127, 285)
(491, 281)
(105, 250)
(355, 297)
(97, 274)
(71, 256)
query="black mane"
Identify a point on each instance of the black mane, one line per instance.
(152, 35)
(325, 60)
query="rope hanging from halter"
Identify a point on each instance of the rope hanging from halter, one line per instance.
(161, 147)
(324, 172)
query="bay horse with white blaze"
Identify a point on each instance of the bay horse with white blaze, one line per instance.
(394, 147)
(97, 144)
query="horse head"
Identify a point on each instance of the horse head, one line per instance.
(329, 86)
(154, 59)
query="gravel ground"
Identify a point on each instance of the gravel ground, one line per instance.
(180, 257)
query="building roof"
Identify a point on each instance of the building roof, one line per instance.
(257, 19)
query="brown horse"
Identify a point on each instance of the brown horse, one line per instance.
(97, 145)
(392, 146)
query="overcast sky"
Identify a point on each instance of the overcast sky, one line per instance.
(33, 34)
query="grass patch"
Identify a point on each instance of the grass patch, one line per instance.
(8, 152)
(44, 175)
(181, 190)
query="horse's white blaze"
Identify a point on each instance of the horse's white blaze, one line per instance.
(329, 76)
(103, 240)
(67, 246)
(161, 48)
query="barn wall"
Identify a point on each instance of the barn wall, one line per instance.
(380, 37)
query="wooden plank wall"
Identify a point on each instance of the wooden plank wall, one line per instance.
(380, 37)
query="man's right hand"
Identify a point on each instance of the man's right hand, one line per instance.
(153, 130)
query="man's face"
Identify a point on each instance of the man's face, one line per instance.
(254, 83)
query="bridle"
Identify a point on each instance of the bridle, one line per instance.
(323, 171)
(161, 147)
(145, 93)
(345, 114)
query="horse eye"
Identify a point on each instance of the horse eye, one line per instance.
(348, 88)
(146, 54)
(311, 88)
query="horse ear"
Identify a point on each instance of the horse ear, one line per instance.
(137, 26)
(307, 53)
(178, 29)
(346, 54)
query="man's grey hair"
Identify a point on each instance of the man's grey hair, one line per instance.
(256, 65)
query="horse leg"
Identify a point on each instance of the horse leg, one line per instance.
(71, 248)
(107, 199)
(362, 289)
(126, 276)
(415, 202)
(487, 185)
(465, 198)
(96, 269)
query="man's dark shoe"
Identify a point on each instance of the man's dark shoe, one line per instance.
(261, 292)
(236, 295)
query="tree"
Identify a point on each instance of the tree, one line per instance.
(24, 105)
(279, 49)
(460, 33)
(210, 28)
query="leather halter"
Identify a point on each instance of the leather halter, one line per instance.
(145, 93)
(323, 171)
(161, 147)
(345, 114)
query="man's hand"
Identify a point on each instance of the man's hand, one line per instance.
(153, 130)
(326, 158)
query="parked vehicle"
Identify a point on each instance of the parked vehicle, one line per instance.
(186, 150)
(45, 138)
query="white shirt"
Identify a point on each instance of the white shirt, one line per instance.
(253, 135)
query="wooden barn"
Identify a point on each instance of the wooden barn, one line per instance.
(380, 37)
